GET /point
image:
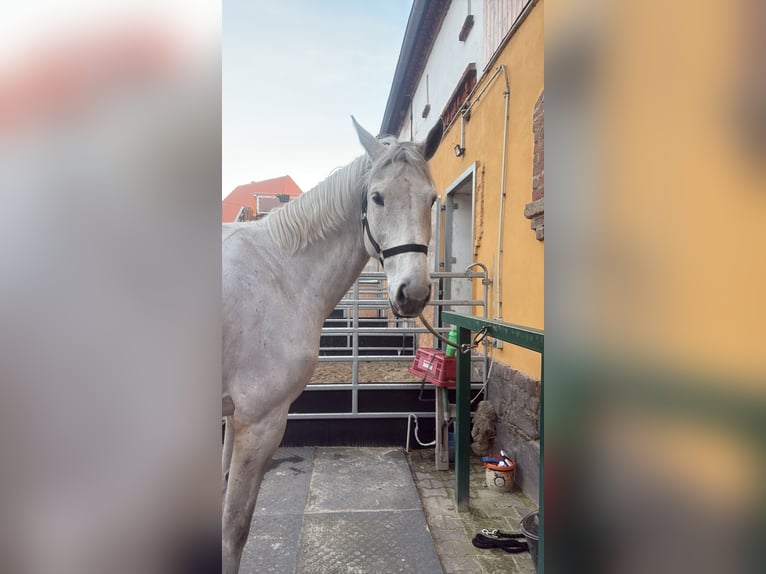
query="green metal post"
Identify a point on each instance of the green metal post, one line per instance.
(525, 337)
(462, 421)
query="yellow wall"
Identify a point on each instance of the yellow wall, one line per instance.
(523, 255)
(682, 192)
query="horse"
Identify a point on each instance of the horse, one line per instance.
(282, 277)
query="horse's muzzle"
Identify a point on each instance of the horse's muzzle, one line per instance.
(409, 300)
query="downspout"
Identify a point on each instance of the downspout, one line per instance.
(498, 274)
(465, 112)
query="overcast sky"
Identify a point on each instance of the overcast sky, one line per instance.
(293, 73)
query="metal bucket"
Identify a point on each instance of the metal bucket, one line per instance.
(529, 527)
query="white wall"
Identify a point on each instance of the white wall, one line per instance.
(446, 64)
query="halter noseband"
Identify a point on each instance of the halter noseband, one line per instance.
(383, 254)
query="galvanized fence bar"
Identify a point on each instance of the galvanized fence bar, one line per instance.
(376, 386)
(355, 352)
(370, 415)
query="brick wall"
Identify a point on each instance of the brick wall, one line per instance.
(535, 210)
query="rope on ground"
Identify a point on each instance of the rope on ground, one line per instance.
(497, 539)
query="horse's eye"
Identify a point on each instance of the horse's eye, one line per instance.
(377, 198)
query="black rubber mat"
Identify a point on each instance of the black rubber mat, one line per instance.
(361, 479)
(339, 510)
(385, 542)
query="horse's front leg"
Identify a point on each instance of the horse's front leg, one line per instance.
(254, 446)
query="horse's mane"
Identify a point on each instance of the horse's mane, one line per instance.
(329, 205)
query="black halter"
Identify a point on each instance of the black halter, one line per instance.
(383, 254)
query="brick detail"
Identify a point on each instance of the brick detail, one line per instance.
(464, 87)
(535, 209)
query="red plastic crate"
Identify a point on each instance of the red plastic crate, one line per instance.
(434, 367)
(423, 362)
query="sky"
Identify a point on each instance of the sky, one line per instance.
(294, 71)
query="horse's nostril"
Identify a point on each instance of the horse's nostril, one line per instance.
(401, 297)
(409, 299)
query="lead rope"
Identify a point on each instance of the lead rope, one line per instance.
(508, 541)
(466, 347)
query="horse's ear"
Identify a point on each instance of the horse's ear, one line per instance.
(433, 139)
(369, 142)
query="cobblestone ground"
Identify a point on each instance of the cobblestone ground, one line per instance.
(452, 531)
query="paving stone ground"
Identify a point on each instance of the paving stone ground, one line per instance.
(342, 510)
(452, 531)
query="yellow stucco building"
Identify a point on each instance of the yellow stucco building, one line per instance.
(480, 68)
(516, 293)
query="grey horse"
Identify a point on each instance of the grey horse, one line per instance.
(282, 277)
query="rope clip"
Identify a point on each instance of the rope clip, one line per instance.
(479, 337)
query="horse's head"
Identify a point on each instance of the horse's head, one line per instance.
(396, 216)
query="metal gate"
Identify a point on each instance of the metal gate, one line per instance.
(362, 332)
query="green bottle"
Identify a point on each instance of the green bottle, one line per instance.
(450, 351)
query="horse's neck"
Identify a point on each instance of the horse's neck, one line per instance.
(331, 265)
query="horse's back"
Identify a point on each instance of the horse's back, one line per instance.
(230, 229)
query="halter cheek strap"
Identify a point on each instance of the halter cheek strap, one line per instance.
(383, 254)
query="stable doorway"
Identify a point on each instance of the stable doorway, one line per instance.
(458, 236)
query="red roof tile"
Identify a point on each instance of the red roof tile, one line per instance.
(244, 195)
(229, 211)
